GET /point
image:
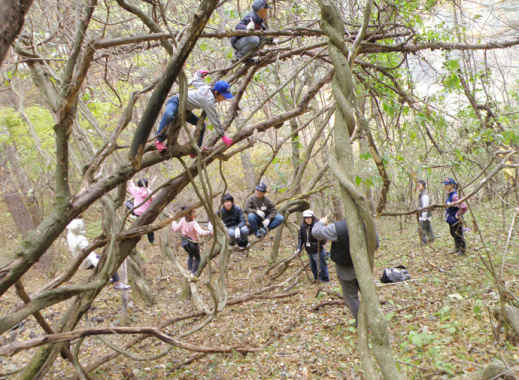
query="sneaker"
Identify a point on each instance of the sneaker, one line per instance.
(243, 248)
(251, 61)
(121, 286)
(160, 146)
(260, 233)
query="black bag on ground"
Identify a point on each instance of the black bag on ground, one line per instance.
(396, 274)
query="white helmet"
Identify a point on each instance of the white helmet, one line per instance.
(308, 214)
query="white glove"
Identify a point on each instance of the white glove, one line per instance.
(237, 233)
(266, 223)
(260, 213)
(210, 227)
(251, 25)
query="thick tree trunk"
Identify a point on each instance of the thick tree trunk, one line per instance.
(12, 16)
(361, 226)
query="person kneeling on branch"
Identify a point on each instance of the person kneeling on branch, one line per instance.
(454, 214)
(232, 217)
(261, 211)
(314, 247)
(254, 20)
(191, 233)
(205, 98)
(340, 253)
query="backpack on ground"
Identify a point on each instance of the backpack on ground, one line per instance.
(395, 274)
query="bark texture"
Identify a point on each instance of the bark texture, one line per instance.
(12, 16)
(360, 222)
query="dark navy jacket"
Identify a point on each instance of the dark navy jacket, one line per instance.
(233, 217)
(450, 213)
(305, 236)
(259, 24)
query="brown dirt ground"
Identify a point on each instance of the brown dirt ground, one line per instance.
(439, 320)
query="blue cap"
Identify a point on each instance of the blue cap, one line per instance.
(262, 187)
(223, 88)
(259, 4)
(449, 181)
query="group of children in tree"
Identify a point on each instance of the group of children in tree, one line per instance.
(205, 97)
(260, 213)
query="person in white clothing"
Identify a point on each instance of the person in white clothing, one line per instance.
(77, 241)
(424, 218)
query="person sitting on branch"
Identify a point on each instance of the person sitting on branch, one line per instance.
(205, 98)
(254, 20)
(232, 217)
(313, 246)
(261, 211)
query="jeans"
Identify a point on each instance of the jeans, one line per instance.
(255, 220)
(456, 230)
(170, 114)
(193, 250)
(244, 236)
(246, 45)
(319, 266)
(425, 230)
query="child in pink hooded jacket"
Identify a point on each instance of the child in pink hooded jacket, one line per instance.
(191, 233)
(141, 200)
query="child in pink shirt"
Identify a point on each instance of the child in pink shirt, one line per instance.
(140, 193)
(191, 233)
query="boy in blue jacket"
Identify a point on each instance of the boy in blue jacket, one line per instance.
(453, 215)
(254, 20)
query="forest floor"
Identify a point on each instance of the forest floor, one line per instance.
(439, 320)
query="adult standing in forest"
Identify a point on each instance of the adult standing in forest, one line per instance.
(314, 247)
(424, 219)
(340, 254)
(255, 20)
(454, 214)
(261, 212)
(205, 98)
(232, 218)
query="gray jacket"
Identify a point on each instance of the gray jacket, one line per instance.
(203, 98)
(322, 232)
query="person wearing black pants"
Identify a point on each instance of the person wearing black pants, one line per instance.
(193, 251)
(456, 230)
(191, 234)
(453, 215)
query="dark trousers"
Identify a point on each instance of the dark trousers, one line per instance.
(456, 230)
(350, 294)
(151, 237)
(319, 266)
(193, 250)
(426, 232)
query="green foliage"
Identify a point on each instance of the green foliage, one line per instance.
(19, 134)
